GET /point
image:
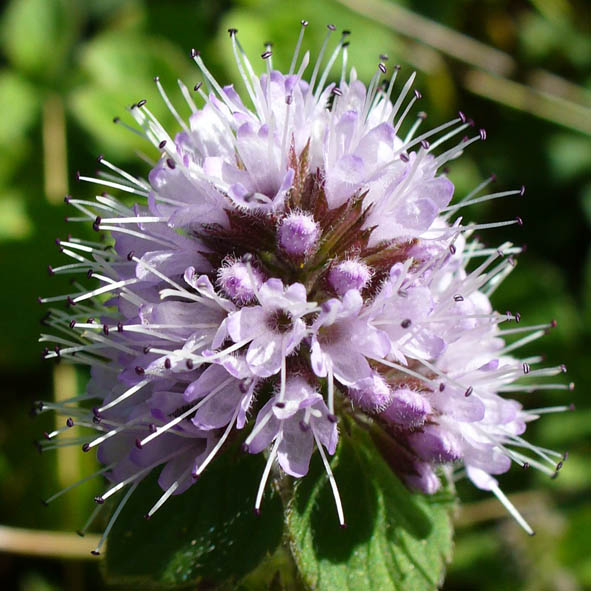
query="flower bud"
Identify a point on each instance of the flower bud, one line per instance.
(435, 444)
(239, 281)
(349, 274)
(423, 479)
(297, 235)
(371, 394)
(408, 409)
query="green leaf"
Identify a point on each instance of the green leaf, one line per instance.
(15, 223)
(19, 106)
(394, 540)
(120, 67)
(208, 535)
(37, 34)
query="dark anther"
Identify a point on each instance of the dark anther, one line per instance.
(404, 157)
(383, 56)
(398, 67)
(553, 324)
(67, 198)
(331, 27)
(519, 221)
(244, 385)
(462, 117)
(89, 273)
(70, 301)
(526, 368)
(162, 144)
(517, 317)
(232, 31)
(441, 387)
(69, 422)
(572, 406)
(72, 323)
(343, 526)
(337, 91)
(452, 249)
(244, 447)
(119, 327)
(406, 323)
(468, 391)
(382, 68)
(522, 190)
(482, 134)
(525, 465)
(345, 44)
(156, 78)
(493, 177)
(139, 370)
(189, 364)
(418, 94)
(130, 255)
(78, 175)
(194, 53)
(332, 418)
(99, 500)
(152, 427)
(471, 122)
(147, 349)
(167, 363)
(304, 426)
(116, 119)
(425, 144)
(138, 443)
(106, 329)
(280, 404)
(266, 54)
(80, 533)
(458, 298)
(197, 86)
(85, 447)
(170, 163)
(96, 420)
(100, 158)
(95, 552)
(96, 225)
(563, 368)
(304, 23)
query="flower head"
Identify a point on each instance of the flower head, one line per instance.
(294, 261)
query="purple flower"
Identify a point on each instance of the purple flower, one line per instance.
(293, 261)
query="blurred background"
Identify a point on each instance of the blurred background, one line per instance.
(518, 68)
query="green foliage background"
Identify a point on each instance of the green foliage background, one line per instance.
(68, 66)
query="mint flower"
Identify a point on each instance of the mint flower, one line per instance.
(295, 261)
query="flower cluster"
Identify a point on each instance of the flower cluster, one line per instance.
(292, 263)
